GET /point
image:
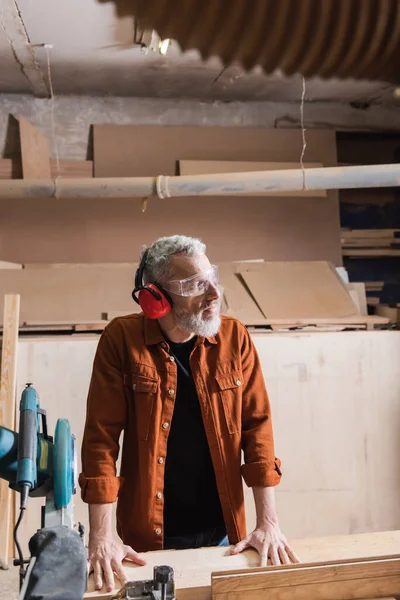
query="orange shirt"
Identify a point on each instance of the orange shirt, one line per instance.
(133, 388)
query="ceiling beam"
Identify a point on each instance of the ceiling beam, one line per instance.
(12, 24)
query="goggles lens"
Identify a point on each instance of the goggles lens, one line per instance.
(196, 285)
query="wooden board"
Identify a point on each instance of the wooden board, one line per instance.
(8, 385)
(34, 152)
(299, 290)
(358, 295)
(236, 300)
(280, 229)
(342, 476)
(70, 169)
(82, 294)
(193, 568)
(207, 167)
(357, 579)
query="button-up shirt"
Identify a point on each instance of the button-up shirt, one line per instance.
(133, 388)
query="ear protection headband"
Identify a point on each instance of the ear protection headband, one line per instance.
(154, 301)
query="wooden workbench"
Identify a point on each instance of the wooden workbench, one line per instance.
(193, 568)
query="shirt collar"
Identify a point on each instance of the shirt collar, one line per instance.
(153, 334)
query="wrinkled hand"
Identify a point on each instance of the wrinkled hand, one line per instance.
(269, 542)
(105, 558)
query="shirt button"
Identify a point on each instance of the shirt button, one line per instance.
(158, 531)
(159, 495)
(171, 392)
(238, 382)
(165, 425)
(161, 460)
(172, 359)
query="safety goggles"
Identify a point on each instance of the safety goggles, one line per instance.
(196, 285)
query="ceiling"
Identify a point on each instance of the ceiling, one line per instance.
(93, 53)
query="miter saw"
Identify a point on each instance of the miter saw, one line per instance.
(38, 465)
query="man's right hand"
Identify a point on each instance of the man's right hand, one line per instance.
(105, 557)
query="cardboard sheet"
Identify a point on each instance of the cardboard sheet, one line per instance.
(299, 290)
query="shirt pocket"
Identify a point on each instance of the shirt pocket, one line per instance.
(144, 395)
(230, 391)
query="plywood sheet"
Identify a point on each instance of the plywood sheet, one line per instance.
(193, 568)
(70, 295)
(34, 152)
(280, 229)
(137, 150)
(334, 399)
(8, 390)
(285, 290)
(70, 169)
(236, 300)
(358, 579)
(208, 167)
(83, 293)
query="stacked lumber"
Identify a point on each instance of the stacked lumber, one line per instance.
(278, 295)
(371, 243)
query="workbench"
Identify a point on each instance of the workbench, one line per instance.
(197, 571)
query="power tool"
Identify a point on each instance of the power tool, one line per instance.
(161, 587)
(36, 464)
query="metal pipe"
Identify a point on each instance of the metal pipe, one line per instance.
(224, 184)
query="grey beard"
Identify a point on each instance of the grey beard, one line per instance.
(194, 323)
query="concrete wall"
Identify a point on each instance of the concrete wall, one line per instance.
(73, 116)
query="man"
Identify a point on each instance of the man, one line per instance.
(186, 388)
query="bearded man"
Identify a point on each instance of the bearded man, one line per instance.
(185, 386)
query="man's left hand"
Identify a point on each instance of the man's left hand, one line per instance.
(270, 543)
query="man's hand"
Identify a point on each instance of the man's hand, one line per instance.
(270, 543)
(105, 558)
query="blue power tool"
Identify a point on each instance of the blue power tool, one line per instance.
(37, 465)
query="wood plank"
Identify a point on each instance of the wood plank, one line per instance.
(193, 568)
(69, 169)
(369, 253)
(295, 291)
(8, 386)
(360, 298)
(331, 581)
(369, 233)
(208, 167)
(9, 265)
(34, 152)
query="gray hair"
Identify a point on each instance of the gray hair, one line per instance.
(158, 260)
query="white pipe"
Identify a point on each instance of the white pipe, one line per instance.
(224, 184)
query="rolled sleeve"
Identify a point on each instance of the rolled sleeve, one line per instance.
(105, 420)
(262, 474)
(262, 467)
(99, 490)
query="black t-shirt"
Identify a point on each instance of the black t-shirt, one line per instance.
(191, 501)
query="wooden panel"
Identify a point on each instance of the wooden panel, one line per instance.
(8, 386)
(285, 290)
(334, 400)
(332, 581)
(193, 568)
(358, 295)
(205, 167)
(34, 152)
(280, 229)
(70, 169)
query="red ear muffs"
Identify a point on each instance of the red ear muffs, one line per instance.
(153, 301)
